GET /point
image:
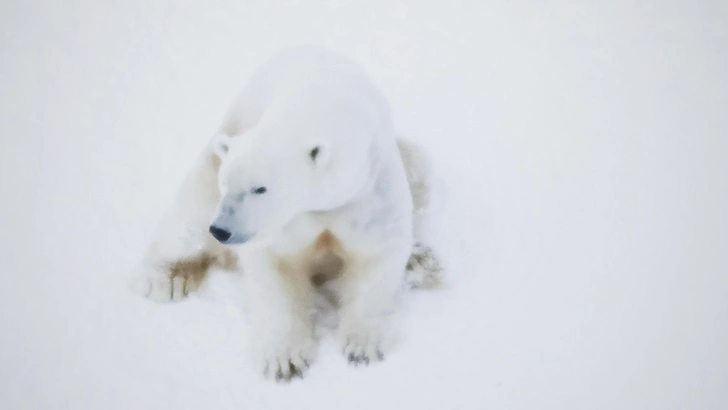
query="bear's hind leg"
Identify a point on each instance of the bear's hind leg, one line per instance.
(174, 280)
(424, 270)
(182, 249)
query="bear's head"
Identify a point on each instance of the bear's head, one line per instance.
(306, 154)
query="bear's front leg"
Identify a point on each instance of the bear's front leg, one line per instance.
(369, 312)
(280, 306)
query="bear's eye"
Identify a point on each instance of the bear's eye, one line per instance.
(260, 190)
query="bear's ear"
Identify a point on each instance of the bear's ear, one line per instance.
(221, 144)
(318, 154)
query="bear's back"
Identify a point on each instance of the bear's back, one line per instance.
(283, 70)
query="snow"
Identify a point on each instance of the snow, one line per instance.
(580, 151)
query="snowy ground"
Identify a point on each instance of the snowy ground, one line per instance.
(581, 151)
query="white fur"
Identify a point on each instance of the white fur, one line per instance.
(360, 188)
(359, 192)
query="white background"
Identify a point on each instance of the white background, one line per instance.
(581, 155)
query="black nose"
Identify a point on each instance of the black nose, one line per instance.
(219, 234)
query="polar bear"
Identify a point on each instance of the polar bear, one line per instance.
(305, 187)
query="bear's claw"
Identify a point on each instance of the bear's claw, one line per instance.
(359, 350)
(159, 286)
(292, 373)
(291, 365)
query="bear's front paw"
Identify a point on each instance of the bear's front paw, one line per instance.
(363, 348)
(158, 285)
(287, 363)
